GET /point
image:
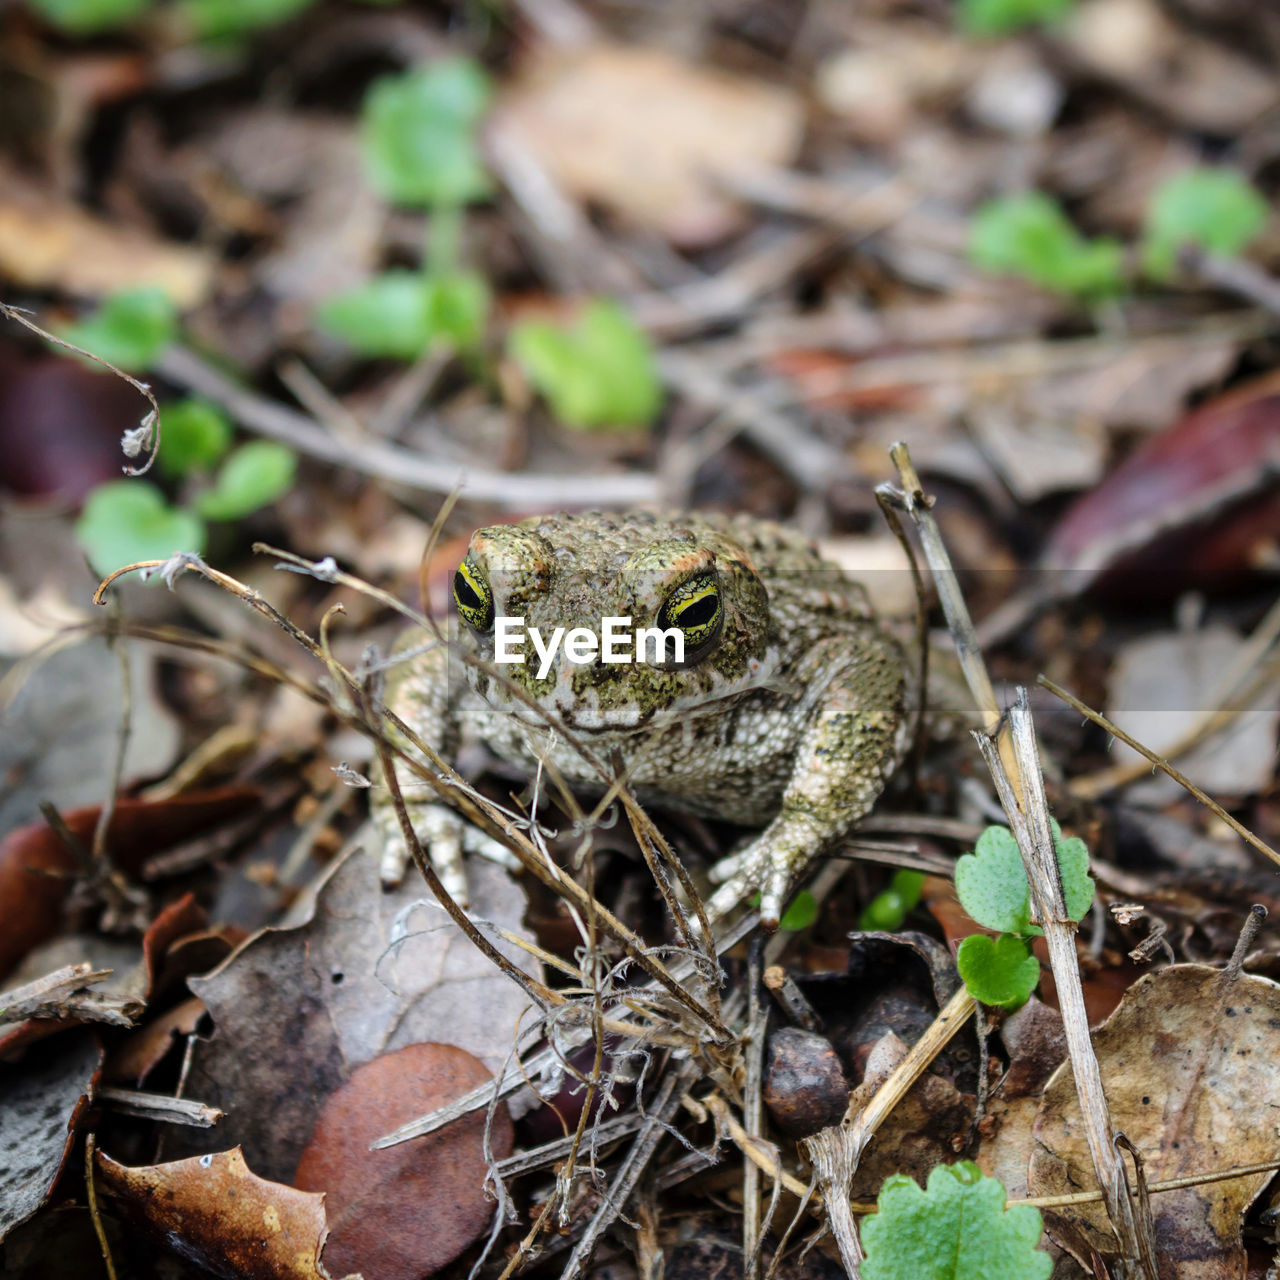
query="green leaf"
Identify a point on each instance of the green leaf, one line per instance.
(993, 886)
(253, 475)
(194, 435)
(84, 17)
(888, 909)
(400, 313)
(802, 912)
(419, 132)
(1030, 236)
(130, 329)
(997, 17)
(599, 372)
(998, 971)
(957, 1229)
(128, 520)
(223, 19)
(1078, 887)
(1213, 209)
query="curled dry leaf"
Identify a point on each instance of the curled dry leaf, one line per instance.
(647, 135)
(215, 1209)
(407, 1211)
(41, 1100)
(295, 1011)
(1188, 1065)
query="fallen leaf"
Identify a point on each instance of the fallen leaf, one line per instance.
(216, 1210)
(36, 868)
(647, 135)
(135, 1057)
(295, 1011)
(1188, 1063)
(409, 1210)
(48, 243)
(1158, 689)
(1190, 505)
(41, 1100)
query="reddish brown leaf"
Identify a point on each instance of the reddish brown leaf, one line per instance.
(143, 1050)
(1173, 512)
(216, 1209)
(36, 867)
(404, 1212)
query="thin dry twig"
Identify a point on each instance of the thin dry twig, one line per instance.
(1180, 778)
(396, 465)
(64, 995)
(1027, 810)
(150, 429)
(158, 1106)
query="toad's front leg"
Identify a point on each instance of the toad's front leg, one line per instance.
(852, 743)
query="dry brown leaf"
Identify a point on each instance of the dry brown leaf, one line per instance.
(49, 243)
(295, 1011)
(1188, 1064)
(215, 1209)
(41, 1100)
(409, 1210)
(646, 134)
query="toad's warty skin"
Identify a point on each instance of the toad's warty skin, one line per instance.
(789, 713)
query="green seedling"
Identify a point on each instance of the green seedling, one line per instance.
(888, 909)
(399, 314)
(129, 329)
(253, 476)
(598, 372)
(419, 131)
(220, 20)
(196, 435)
(1030, 236)
(86, 17)
(956, 1229)
(999, 17)
(999, 971)
(992, 885)
(128, 520)
(1217, 210)
(802, 912)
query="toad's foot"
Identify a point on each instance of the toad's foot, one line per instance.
(446, 836)
(768, 864)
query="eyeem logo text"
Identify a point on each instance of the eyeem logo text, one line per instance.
(615, 643)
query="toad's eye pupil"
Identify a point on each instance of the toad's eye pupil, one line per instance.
(465, 593)
(699, 613)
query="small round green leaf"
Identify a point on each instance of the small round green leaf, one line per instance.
(387, 317)
(993, 885)
(998, 17)
(194, 435)
(128, 520)
(84, 17)
(1030, 236)
(956, 1229)
(802, 912)
(597, 373)
(130, 329)
(253, 475)
(419, 132)
(1213, 209)
(998, 971)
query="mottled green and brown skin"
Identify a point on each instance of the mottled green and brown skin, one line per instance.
(791, 719)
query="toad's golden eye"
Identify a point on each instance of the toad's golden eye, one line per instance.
(473, 596)
(695, 607)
